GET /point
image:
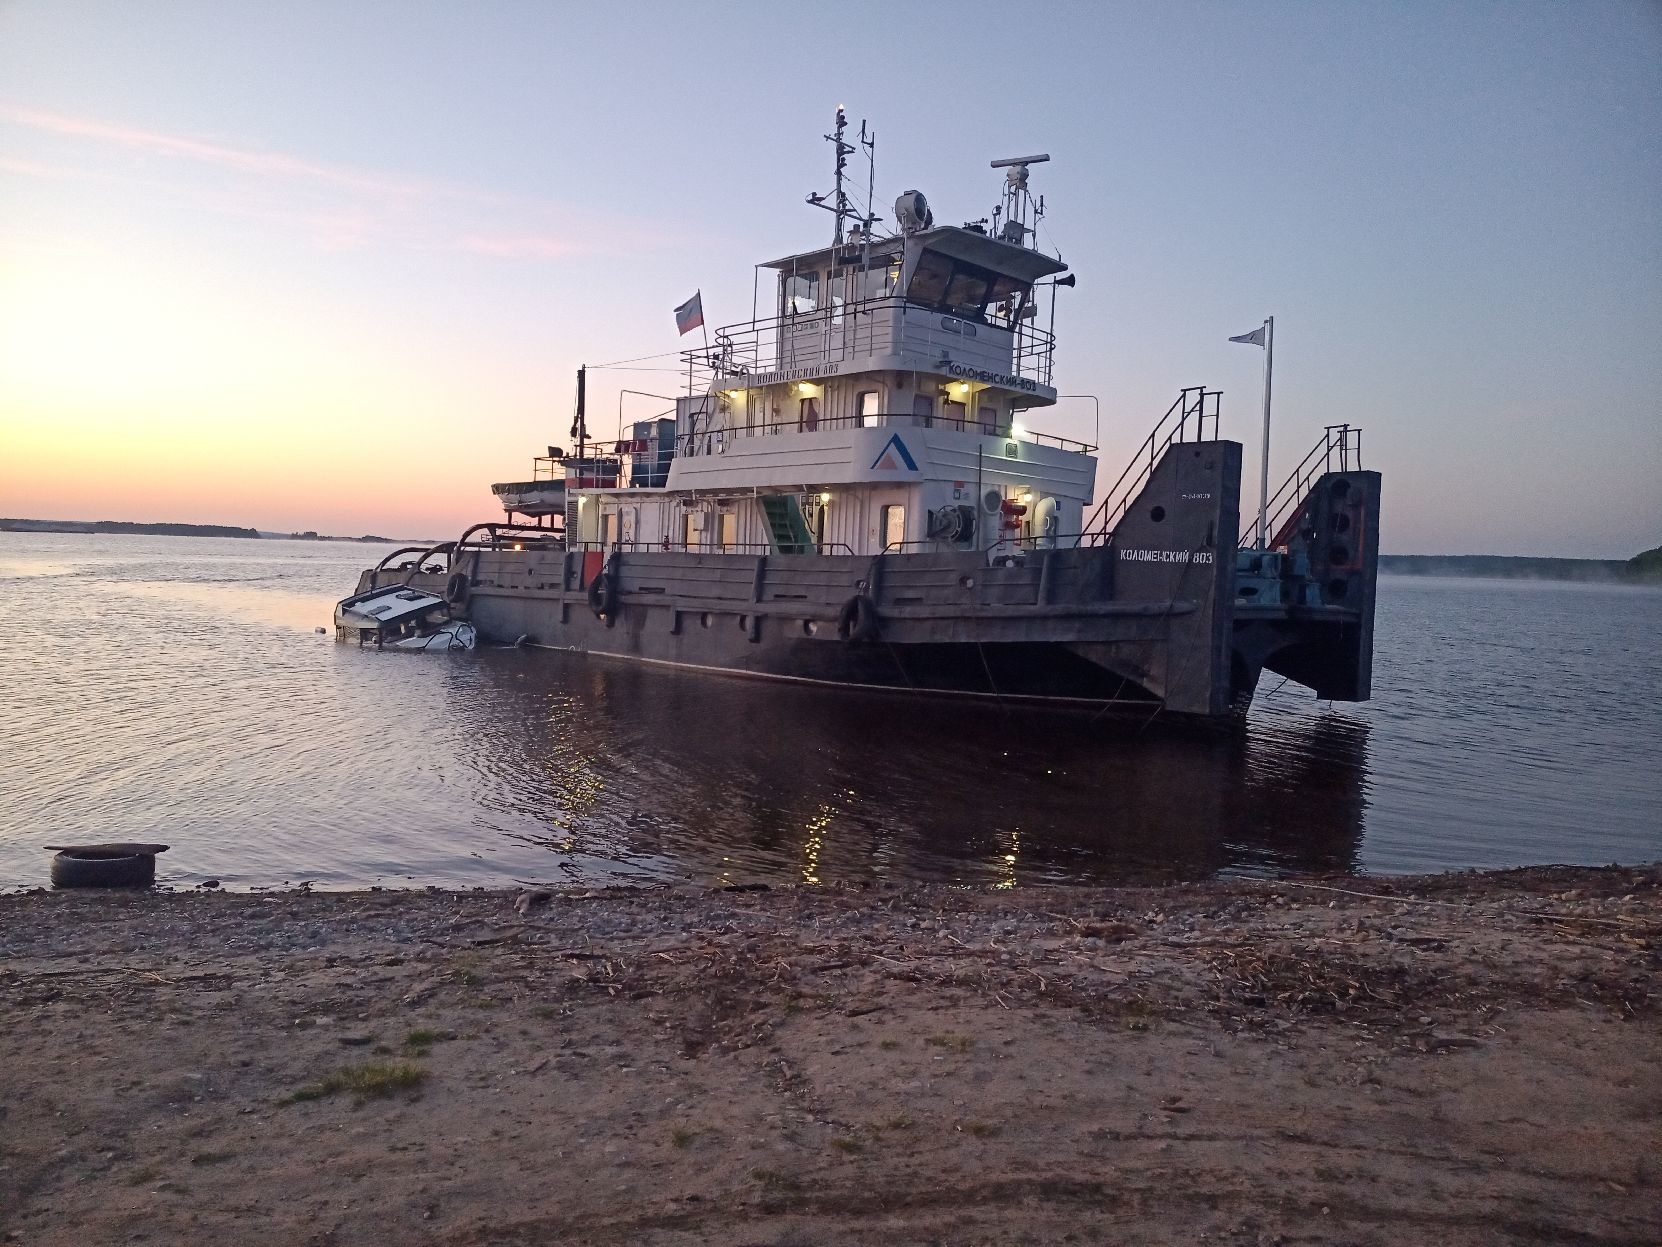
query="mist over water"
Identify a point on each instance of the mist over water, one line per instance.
(174, 689)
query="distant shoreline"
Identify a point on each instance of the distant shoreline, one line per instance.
(1514, 567)
(1645, 569)
(128, 528)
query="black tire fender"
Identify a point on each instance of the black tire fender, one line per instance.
(858, 619)
(457, 588)
(603, 596)
(112, 867)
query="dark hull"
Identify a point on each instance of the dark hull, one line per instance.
(1149, 621)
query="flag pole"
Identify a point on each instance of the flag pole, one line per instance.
(1264, 473)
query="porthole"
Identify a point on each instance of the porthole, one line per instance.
(706, 619)
(809, 627)
(1157, 514)
(1336, 589)
(1338, 554)
(966, 582)
(1339, 490)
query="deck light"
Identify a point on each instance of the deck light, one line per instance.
(963, 387)
(825, 497)
(1015, 428)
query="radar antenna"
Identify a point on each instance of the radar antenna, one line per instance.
(1020, 211)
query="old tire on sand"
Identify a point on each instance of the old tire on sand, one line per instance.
(104, 866)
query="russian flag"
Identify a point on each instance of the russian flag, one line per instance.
(690, 315)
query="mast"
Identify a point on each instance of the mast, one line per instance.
(839, 205)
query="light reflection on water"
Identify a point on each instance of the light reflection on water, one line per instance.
(174, 689)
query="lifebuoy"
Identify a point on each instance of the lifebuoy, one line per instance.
(603, 596)
(858, 619)
(457, 588)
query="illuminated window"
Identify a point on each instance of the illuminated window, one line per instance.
(894, 525)
(869, 404)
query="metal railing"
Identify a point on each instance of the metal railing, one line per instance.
(665, 545)
(1341, 445)
(876, 326)
(716, 441)
(1185, 421)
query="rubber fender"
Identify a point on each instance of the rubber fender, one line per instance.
(457, 588)
(603, 596)
(858, 619)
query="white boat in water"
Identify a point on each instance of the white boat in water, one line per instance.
(851, 488)
(401, 617)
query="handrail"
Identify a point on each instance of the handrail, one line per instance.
(664, 546)
(841, 331)
(1338, 441)
(688, 442)
(1205, 405)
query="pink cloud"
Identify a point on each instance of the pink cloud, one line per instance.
(342, 208)
(268, 164)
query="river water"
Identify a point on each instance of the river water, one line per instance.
(175, 689)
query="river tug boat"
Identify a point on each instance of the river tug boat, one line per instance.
(852, 490)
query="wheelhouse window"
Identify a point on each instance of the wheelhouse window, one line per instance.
(966, 293)
(1006, 298)
(929, 279)
(876, 282)
(801, 293)
(964, 290)
(808, 415)
(869, 403)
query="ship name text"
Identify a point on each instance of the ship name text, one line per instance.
(1166, 556)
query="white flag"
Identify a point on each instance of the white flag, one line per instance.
(1255, 338)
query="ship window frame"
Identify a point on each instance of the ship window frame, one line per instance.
(876, 281)
(892, 515)
(790, 300)
(969, 305)
(1006, 287)
(864, 419)
(949, 295)
(935, 268)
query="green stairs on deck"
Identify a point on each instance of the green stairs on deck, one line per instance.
(786, 527)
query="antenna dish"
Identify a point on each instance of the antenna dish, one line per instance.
(911, 212)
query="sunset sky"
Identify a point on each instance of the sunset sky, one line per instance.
(332, 266)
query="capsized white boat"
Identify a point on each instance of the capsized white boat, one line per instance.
(399, 617)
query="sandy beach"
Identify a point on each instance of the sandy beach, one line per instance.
(1456, 1059)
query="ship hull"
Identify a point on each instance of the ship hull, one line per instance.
(1147, 621)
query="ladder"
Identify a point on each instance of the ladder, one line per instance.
(787, 529)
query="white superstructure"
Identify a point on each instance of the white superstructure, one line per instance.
(881, 405)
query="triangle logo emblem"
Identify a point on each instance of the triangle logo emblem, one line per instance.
(894, 457)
